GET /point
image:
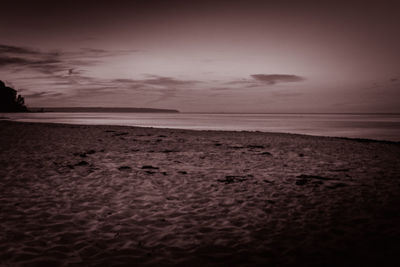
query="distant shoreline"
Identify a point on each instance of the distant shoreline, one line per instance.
(160, 110)
(299, 113)
(100, 109)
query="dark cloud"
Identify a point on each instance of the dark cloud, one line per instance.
(125, 81)
(9, 49)
(240, 82)
(276, 78)
(43, 94)
(6, 61)
(262, 79)
(64, 68)
(22, 58)
(45, 66)
(167, 81)
(94, 52)
(74, 72)
(81, 86)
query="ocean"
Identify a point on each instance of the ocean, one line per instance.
(370, 126)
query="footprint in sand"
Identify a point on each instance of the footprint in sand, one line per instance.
(255, 146)
(120, 134)
(149, 167)
(332, 184)
(230, 179)
(82, 163)
(124, 168)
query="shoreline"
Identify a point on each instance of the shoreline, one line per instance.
(358, 139)
(122, 195)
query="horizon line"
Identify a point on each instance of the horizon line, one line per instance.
(223, 112)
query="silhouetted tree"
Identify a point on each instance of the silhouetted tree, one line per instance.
(9, 101)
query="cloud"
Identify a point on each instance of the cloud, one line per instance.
(43, 94)
(9, 49)
(240, 82)
(163, 87)
(157, 88)
(45, 66)
(276, 78)
(157, 82)
(48, 73)
(21, 58)
(65, 70)
(74, 72)
(259, 80)
(6, 61)
(17, 59)
(167, 81)
(93, 52)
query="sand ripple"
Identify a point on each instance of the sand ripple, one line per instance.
(171, 197)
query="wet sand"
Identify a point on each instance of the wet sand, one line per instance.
(127, 196)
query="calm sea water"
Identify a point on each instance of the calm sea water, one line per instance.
(373, 126)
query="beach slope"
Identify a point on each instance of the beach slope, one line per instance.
(127, 196)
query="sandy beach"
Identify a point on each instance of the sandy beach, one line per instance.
(75, 195)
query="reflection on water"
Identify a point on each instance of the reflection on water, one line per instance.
(374, 126)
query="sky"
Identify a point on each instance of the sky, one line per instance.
(204, 56)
